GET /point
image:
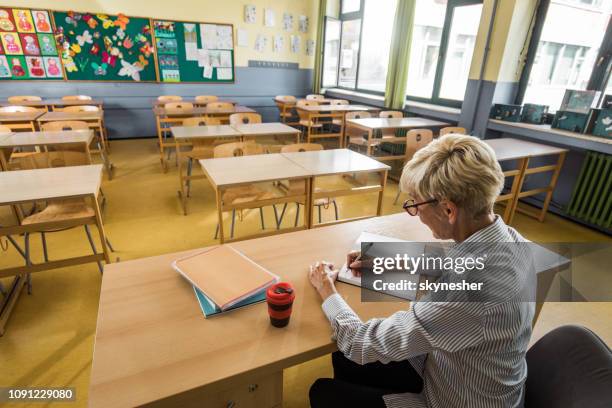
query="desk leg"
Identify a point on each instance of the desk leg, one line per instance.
(101, 230)
(369, 146)
(220, 214)
(551, 187)
(309, 204)
(182, 193)
(6, 307)
(342, 131)
(161, 143)
(523, 164)
(383, 184)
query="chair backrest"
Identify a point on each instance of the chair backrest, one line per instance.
(236, 149)
(81, 108)
(314, 97)
(201, 121)
(285, 98)
(15, 108)
(205, 99)
(221, 106)
(417, 139)
(358, 115)
(452, 129)
(391, 114)
(305, 102)
(179, 105)
(64, 125)
(5, 129)
(569, 367)
(76, 98)
(244, 118)
(23, 98)
(338, 102)
(169, 98)
(301, 147)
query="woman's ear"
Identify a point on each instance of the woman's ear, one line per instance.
(450, 211)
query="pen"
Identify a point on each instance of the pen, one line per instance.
(362, 253)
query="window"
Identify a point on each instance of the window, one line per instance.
(357, 46)
(567, 49)
(443, 40)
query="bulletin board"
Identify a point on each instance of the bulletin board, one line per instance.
(27, 45)
(100, 47)
(194, 52)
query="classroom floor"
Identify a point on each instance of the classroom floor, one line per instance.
(50, 336)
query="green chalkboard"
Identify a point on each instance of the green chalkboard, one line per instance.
(194, 52)
(99, 47)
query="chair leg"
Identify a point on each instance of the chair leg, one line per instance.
(93, 247)
(335, 209)
(217, 231)
(279, 220)
(17, 247)
(108, 243)
(26, 239)
(319, 208)
(44, 245)
(261, 217)
(297, 214)
(189, 170)
(233, 223)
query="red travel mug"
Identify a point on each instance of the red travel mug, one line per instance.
(280, 301)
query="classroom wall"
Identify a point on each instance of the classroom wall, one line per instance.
(128, 106)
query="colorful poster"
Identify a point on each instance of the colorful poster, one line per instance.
(166, 45)
(36, 67)
(23, 19)
(5, 71)
(164, 29)
(29, 42)
(47, 44)
(42, 21)
(11, 44)
(18, 67)
(53, 67)
(6, 20)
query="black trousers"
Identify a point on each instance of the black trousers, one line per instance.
(357, 385)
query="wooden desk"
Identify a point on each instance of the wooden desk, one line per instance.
(226, 173)
(25, 121)
(27, 186)
(95, 120)
(509, 149)
(155, 102)
(371, 125)
(166, 118)
(182, 136)
(55, 103)
(36, 139)
(340, 162)
(257, 130)
(314, 113)
(154, 346)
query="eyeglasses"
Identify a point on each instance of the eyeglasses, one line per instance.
(412, 208)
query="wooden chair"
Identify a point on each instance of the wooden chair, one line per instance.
(205, 99)
(5, 152)
(338, 122)
(452, 129)
(17, 108)
(175, 113)
(357, 137)
(169, 98)
(243, 194)
(244, 118)
(315, 97)
(389, 114)
(19, 124)
(286, 109)
(220, 110)
(64, 125)
(416, 139)
(304, 119)
(76, 98)
(297, 187)
(95, 124)
(23, 98)
(178, 105)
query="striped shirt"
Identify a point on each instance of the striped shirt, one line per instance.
(469, 353)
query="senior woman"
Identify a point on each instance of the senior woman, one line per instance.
(438, 353)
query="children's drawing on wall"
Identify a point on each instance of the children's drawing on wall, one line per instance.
(30, 44)
(42, 21)
(261, 43)
(23, 18)
(269, 17)
(53, 67)
(279, 43)
(303, 24)
(310, 47)
(295, 44)
(6, 20)
(250, 14)
(287, 21)
(5, 71)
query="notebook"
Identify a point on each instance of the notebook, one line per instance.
(210, 309)
(224, 275)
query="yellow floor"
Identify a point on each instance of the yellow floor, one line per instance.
(49, 338)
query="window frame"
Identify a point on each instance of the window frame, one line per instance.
(328, 18)
(600, 71)
(435, 93)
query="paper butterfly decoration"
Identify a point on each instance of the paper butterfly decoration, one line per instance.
(146, 50)
(99, 69)
(76, 48)
(109, 59)
(69, 64)
(142, 61)
(128, 43)
(130, 70)
(122, 21)
(72, 18)
(90, 20)
(120, 33)
(84, 38)
(95, 49)
(141, 38)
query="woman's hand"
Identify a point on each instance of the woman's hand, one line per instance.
(322, 276)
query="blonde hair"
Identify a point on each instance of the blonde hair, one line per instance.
(458, 168)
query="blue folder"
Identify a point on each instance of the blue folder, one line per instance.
(210, 309)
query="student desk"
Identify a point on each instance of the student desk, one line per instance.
(258, 130)
(154, 346)
(314, 113)
(227, 173)
(182, 136)
(38, 139)
(192, 100)
(19, 121)
(28, 186)
(371, 125)
(56, 103)
(509, 149)
(165, 118)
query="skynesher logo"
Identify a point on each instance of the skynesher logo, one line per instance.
(423, 263)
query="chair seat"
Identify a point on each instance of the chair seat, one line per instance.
(201, 152)
(245, 194)
(61, 211)
(360, 141)
(308, 123)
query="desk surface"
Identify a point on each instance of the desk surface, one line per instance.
(276, 128)
(336, 161)
(192, 100)
(203, 110)
(203, 132)
(511, 149)
(52, 183)
(58, 115)
(49, 102)
(337, 108)
(152, 340)
(388, 123)
(19, 116)
(23, 139)
(259, 168)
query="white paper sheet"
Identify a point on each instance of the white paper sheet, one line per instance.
(303, 24)
(261, 43)
(287, 21)
(243, 37)
(207, 72)
(225, 59)
(310, 47)
(250, 13)
(269, 18)
(295, 44)
(203, 58)
(191, 51)
(208, 36)
(224, 73)
(279, 43)
(224, 37)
